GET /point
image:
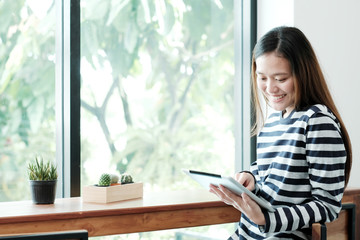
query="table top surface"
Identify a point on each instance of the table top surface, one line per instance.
(67, 208)
(72, 208)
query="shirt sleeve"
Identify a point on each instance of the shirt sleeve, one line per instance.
(254, 172)
(326, 157)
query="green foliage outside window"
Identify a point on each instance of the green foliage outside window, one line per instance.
(27, 92)
(166, 100)
(180, 53)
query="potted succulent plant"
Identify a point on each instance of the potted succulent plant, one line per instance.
(43, 178)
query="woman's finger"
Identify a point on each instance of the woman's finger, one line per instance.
(218, 192)
(242, 203)
(245, 179)
(235, 199)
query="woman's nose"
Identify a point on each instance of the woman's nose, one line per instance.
(271, 86)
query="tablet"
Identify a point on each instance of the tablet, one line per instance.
(205, 179)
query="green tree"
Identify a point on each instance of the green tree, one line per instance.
(182, 43)
(180, 51)
(27, 80)
(184, 40)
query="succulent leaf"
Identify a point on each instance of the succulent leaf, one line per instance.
(41, 171)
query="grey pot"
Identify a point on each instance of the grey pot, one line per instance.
(43, 192)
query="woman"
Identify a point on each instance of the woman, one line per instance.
(303, 148)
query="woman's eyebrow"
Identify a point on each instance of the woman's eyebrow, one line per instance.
(274, 74)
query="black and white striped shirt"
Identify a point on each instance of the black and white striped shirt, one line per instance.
(300, 170)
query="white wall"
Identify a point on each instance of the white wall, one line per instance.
(333, 28)
(274, 13)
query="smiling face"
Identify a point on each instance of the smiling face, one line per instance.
(275, 80)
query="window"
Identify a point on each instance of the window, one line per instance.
(152, 90)
(27, 91)
(157, 89)
(157, 92)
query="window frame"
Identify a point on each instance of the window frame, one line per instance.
(68, 83)
(245, 39)
(68, 97)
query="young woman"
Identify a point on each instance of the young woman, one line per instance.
(303, 148)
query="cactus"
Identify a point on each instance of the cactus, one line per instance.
(114, 178)
(105, 180)
(126, 178)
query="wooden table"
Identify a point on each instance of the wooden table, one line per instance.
(155, 211)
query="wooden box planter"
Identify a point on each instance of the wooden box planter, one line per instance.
(112, 193)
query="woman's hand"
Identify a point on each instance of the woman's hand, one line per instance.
(246, 179)
(243, 203)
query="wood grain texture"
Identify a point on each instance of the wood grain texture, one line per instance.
(129, 223)
(156, 211)
(316, 231)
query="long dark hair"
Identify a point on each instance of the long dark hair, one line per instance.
(309, 81)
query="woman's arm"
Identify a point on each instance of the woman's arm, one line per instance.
(326, 157)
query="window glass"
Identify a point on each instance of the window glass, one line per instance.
(157, 91)
(27, 91)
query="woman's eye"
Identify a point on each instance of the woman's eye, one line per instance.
(281, 80)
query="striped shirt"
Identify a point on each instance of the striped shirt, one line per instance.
(300, 170)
